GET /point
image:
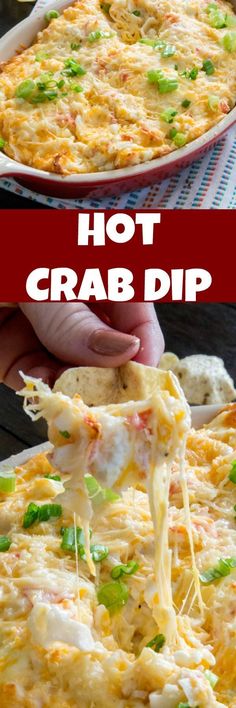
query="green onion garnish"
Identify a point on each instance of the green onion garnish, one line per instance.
(186, 103)
(229, 42)
(191, 73)
(208, 67)
(98, 553)
(113, 595)
(77, 88)
(97, 493)
(68, 539)
(232, 474)
(222, 569)
(155, 43)
(54, 477)
(4, 543)
(212, 678)
(213, 102)
(2, 143)
(230, 20)
(52, 15)
(183, 705)
(105, 6)
(124, 569)
(163, 84)
(172, 133)
(41, 56)
(137, 13)
(25, 89)
(217, 18)
(65, 434)
(72, 68)
(98, 34)
(30, 515)
(48, 511)
(7, 479)
(74, 46)
(168, 115)
(40, 513)
(168, 50)
(180, 139)
(157, 642)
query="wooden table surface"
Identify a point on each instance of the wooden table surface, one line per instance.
(188, 329)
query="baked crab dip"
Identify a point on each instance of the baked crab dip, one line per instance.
(112, 84)
(120, 596)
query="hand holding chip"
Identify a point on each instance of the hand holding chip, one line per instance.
(44, 338)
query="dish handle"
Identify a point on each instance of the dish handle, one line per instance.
(10, 168)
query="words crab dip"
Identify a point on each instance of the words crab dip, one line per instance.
(112, 84)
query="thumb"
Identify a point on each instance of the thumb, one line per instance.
(74, 334)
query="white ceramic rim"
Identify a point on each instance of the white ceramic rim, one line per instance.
(27, 29)
(200, 415)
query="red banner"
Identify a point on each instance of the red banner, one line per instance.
(187, 256)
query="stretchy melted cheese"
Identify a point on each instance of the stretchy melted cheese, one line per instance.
(60, 647)
(111, 85)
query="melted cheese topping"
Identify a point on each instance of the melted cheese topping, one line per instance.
(58, 648)
(111, 115)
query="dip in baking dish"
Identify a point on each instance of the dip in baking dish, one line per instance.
(112, 84)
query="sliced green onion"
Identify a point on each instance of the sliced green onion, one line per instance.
(105, 6)
(98, 553)
(183, 705)
(168, 115)
(52, 15)
(154, 43)
(212, 678)
(163, 84)
(76, 88)
(230, 21)
(232, 474)
(222, 569)
(208, 67)
(229, 42)
(54, 477)
(186, 103)
(97, 493)
(180, 139)
(2, 143)
(72, 68)
(41, 56)
(157, 642)
(191, 73)
(213, 102)
(7, 479)
(48, 511)
(30, 515)
(60, 83)
(68, 539)
(137, 13)
(168, 50)
(124, 569)
(65, 434)
(113, 595)
(4, 543)
(74, 46)
(98, 34)
(217, 18)
(172, 133)
(25, 89)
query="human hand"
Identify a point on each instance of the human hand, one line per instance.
(42, 339)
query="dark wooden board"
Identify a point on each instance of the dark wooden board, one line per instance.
(188, 329)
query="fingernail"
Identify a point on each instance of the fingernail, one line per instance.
(103, 341)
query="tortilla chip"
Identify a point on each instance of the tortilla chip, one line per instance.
(130, 382)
